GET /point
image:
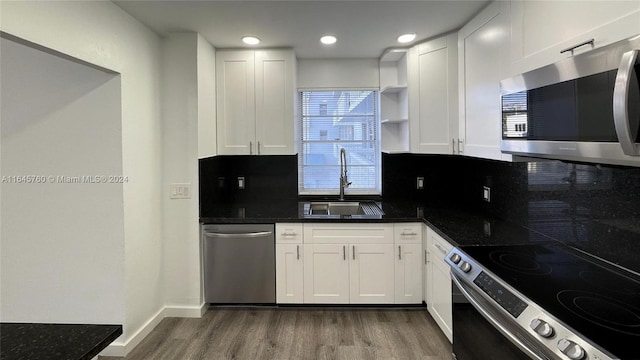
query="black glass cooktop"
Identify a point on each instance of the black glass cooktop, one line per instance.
(599, 301)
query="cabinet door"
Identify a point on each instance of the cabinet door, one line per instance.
(439, 305)
(289, 270)
(440, 308)
(275, 95)
(567, 23)
(434, 128)
(408, 273)
(326, 274)
(371, 274)
(235, 94)
(426, 266)
(483, 53)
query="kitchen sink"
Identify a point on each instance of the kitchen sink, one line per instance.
(342, 208)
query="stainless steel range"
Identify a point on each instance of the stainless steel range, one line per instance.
(550, 301)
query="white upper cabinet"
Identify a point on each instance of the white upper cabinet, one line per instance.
(434, 96)
(275, 96)
(542, 29)
(255, 102)
(394, 101)
(483, 49)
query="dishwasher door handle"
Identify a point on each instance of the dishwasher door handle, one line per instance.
(235, 235)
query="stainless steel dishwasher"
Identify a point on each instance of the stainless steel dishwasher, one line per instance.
(239, 264)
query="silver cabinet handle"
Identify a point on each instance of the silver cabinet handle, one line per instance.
(460, 146)
(242, 235)
(442, 250)
(408, 233)
(250, 147)
(453, 146)
(344, 252)
(399, 252)
(353, 254)
(621, 101)
(297, 252)
(258, 147)
(285, 234)
(425, 257)
(590, 41)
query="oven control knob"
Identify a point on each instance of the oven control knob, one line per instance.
(455, 258)
(571, 349)
(465, 266)
(542, 328)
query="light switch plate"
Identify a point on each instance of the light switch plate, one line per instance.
(420, 182)
(180, 191)
(241, 183)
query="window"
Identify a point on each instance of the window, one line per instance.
(329, 121)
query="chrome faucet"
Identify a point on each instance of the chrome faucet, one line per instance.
(344, 181)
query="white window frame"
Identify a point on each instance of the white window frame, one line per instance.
(300, 144)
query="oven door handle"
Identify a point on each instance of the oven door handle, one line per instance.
(504, 331)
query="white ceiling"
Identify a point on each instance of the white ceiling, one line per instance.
(364, 28)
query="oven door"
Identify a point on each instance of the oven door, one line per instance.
(482, 332)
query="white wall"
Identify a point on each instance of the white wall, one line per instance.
(338, 73)
(62, 242)
(181, 107)
(102, 34)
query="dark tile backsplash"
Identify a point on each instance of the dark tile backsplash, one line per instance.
(266, 178)
(595, 208)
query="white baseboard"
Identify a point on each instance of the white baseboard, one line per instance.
(122, 347)
(185, 311)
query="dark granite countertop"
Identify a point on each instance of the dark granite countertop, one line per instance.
(25, 341)
(462, 227)
(457, 226)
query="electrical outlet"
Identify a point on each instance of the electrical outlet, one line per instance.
(486, 227)
(486, 193)
(241, 183)
(420, 182)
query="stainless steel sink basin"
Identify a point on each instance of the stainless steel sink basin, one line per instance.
(343, 208)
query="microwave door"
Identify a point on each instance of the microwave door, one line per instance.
(626, 103)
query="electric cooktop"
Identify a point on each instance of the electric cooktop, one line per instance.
(596, 299)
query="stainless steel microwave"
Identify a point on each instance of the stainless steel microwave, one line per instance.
(582, 108)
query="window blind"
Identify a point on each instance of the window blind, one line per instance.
(329, 121)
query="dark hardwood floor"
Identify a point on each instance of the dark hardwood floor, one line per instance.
(297, 333)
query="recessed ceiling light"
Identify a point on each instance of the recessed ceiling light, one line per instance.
(251, 40)
(405, 38)
(328, 39)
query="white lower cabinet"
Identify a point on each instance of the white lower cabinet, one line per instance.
(348, 264)
(371, 282)
(326, 274)
(439, 283)
(289, 270)
(289, 264)
(348, 274)
(408, 263)
(333, 263)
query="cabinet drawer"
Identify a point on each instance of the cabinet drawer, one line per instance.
(289, 233)
(348, 233)
(409, 233)
(439, 249)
